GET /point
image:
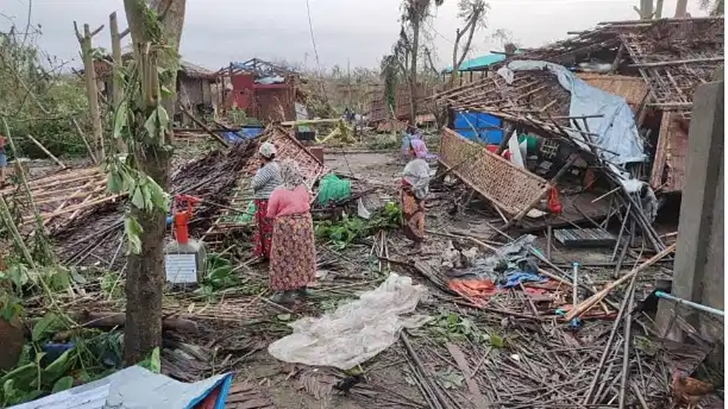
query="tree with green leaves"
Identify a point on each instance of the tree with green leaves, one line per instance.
(143, 120)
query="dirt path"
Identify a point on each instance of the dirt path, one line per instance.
(379, 167)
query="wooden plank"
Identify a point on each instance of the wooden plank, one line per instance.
(478, 398)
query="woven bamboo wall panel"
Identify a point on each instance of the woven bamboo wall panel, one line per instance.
(289, 148)
(511, 188)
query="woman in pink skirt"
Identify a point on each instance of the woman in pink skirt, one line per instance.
(293, 252)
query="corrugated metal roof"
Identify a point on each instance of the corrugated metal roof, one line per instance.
(479, 62)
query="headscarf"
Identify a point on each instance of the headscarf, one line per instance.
(291, 176)
(267, 150)
(417, 174)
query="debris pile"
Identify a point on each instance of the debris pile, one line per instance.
(98, 233)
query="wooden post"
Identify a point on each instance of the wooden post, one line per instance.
(116, 87)
(91, 87)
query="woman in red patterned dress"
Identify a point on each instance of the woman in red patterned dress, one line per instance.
(293, 252)
(266, 179)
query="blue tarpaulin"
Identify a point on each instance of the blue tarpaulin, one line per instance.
(515, 278)
(608, 116)
(243, 134)
(487, 127)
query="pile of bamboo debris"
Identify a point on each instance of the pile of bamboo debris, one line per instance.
(551, 359)
(60, 198)
(215, 178)
(97, 234)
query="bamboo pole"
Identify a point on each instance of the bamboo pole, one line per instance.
(24, 181)
(594, 299)
(116, 83)
(91, 86)
(43, 148)
(8, 219)
(85, 141)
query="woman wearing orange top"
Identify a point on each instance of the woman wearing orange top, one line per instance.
(293, 254)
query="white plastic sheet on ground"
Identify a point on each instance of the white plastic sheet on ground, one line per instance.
(616, 132)
(356, 331)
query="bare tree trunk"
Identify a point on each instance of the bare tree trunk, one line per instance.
(646, 11)
(118, 92)
(413, 69)
(470, 29)
(658, 9)
(681, 10)
(145, 275)
(91, 87)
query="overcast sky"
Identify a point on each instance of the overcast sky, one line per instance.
(356, 31)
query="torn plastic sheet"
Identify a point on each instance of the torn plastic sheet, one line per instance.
(357, 331)
(616, 132)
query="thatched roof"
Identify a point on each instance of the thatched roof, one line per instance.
(191, 70)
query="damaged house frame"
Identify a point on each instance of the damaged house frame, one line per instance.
(264, 90)
(652, 66)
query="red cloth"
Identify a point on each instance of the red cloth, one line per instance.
(477, 291)
(264, 230)
(494, 148)
(284, 202)
(553, 203)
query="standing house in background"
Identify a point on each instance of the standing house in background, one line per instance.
(196, 85)
(263, 90)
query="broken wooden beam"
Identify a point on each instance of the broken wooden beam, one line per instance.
(594, 299)
(202, 125)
